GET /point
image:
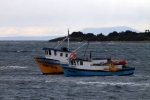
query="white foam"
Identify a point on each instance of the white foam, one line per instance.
(13, 67)
(50, 81)
(115, 83)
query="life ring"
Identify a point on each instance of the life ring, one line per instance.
(72, 55)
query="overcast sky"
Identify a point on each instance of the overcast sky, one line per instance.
(54, 17)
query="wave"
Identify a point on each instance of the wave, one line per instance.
(16, 51)
(115, 83)
(14, 67)
(50, 81)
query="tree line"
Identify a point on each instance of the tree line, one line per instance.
(113, 36)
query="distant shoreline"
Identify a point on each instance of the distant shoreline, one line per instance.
(108, 41)
(76, 41)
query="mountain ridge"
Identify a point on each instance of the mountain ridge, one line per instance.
(107, 30)
(104, 31)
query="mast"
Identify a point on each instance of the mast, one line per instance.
(68, 39)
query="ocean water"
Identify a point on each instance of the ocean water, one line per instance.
(21, 78)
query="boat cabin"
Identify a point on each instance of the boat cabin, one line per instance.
(59, 54)
(94, 61)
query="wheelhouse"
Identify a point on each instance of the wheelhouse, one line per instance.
(61, 54)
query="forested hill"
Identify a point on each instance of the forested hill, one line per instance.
(113, 36)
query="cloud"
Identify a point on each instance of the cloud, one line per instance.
(31, 31)
(50, 17)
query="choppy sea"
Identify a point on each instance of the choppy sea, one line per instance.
(21, 78)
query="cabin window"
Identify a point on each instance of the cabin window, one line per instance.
(81, 62)
(46, 52)
(61, 54)
(78, 63)
(66, 55)
(55, 53)
(71, 62)
(49, 52)
(74, 62)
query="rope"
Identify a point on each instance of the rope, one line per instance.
(54, 45)
(85, 50)
(79, 47)
(61, 42)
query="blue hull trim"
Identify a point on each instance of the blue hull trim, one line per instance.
(70, 71)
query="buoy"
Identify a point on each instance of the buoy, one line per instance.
(72, 55)
(122, 62)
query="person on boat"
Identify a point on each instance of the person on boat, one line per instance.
(109, 59)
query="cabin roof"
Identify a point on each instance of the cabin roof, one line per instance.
(45, 48)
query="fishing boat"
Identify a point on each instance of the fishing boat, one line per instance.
(53, 56)
(96, 67)
(51, 63)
